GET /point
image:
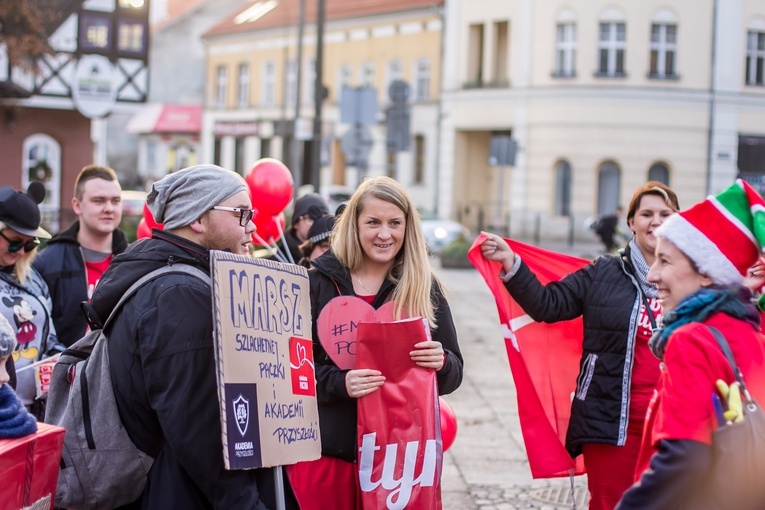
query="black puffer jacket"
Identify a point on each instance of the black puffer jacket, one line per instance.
(62, 265)
(607, 297)
(337, 410)
(163, 370)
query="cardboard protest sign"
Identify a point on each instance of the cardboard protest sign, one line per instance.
(264, 355)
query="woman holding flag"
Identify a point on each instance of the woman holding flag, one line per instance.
(378, 254)
(702, 256)
(620, 309)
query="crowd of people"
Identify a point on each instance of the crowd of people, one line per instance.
(642, 415)
(161, 340)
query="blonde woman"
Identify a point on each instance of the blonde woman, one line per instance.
(24, 298)
(377, 254)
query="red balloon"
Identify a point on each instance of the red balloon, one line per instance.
(143, 229)
(266, 228)
(448, 423)
(271, 187)
(148, 217)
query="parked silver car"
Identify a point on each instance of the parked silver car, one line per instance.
(439, 232)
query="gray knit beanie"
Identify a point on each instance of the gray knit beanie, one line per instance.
(180, 198)
(7, 337)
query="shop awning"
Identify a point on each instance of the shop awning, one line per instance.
(166, 118)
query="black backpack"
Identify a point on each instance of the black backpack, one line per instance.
(100, 467)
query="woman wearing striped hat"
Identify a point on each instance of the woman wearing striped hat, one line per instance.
(702, 257)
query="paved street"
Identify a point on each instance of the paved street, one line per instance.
(486, 468)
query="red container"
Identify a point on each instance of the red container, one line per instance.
(29, 468)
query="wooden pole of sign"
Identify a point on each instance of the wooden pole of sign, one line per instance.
(279, 484)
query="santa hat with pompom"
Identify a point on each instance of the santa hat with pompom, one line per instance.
(723, 235)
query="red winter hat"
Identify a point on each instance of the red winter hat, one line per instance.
(723, 235)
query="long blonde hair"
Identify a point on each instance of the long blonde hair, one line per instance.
(23, 263)
(411, 270)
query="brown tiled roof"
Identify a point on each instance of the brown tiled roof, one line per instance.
(176, 8)
(287, 12)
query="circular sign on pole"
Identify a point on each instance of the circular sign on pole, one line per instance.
(399, 91)
(94, 89)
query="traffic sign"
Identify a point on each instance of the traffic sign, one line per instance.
(358, 105)
(398, 122)
(356, 144)
(398, 92)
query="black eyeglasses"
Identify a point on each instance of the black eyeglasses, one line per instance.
(245, 215)
(14, 246)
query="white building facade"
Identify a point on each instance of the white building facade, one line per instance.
(600, 98)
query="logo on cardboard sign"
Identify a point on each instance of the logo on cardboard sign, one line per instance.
(242, 413)
(301, 367)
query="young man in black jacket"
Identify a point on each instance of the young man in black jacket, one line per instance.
(76, 258)
(161, 345)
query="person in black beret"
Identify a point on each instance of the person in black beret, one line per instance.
(318, 240)
(308, 209)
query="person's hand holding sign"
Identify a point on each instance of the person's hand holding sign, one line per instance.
(429, 354)
(363, 381)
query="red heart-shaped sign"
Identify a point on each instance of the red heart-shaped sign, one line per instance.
(337, 325)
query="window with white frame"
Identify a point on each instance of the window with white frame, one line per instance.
(344, 79)
(755, 57)
(563, 188)
(609, 187)
(367, 78)
(290, 83)
(422, 80)
(565, 49)
(611, 48)
(395, 72)
(42, 162)
(659, 172)
(663, 50)
(475, 75)
(220, 86)
(243, 92)
(268, 86)
(500, 46)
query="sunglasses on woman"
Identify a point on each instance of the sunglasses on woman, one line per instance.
(14, 246)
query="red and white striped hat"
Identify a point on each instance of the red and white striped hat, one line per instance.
(723, 235)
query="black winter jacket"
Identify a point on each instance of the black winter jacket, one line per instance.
(608, 298)
(337, 410)
(62, 265)
(162, 358)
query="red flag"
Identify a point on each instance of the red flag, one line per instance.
(544, 359)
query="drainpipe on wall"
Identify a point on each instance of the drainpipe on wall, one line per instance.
(712, 98)
(439, 110)
(315, 169)
(295, 148)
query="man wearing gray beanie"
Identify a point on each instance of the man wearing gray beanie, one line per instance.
(161, 344)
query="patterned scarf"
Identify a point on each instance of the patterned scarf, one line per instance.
(15, 421)
(641, 270)
(698, 306)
